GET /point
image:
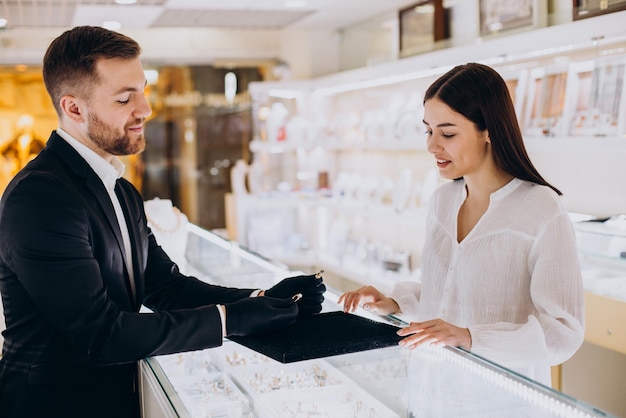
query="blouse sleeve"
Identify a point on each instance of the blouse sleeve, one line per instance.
(555, 329)
(407, 296)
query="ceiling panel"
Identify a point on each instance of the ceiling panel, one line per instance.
(236, 19)
(316, 14)
(127, 16)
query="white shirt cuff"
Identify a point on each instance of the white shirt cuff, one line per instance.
(222, 311)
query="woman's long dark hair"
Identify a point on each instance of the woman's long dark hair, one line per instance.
(479, 93)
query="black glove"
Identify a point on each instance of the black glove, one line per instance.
(256, 315)
(310, 287)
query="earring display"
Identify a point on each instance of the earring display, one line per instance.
(333, 402)
(187, 364)
(204, 391)
(211, 395)
(231, 355)
(272, 377)
(214, 383)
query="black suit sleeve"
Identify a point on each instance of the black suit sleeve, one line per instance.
(167, 288)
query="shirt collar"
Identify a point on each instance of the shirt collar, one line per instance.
(108, 172)
(506, 189)
(501, 192)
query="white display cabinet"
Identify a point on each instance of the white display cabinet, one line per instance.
(234, 381)
(596, 372)
(340, 174)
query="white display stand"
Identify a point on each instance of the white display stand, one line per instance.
(169, 226)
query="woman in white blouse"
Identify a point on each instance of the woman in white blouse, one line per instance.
(500, 272)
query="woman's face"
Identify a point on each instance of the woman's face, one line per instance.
(459, 148)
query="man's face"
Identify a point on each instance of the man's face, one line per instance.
(117, 107)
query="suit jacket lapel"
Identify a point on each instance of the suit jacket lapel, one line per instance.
(135, 238)
(79, 166)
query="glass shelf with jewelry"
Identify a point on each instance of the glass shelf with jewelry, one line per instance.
(235, 381)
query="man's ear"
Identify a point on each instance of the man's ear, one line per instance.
(72, 107)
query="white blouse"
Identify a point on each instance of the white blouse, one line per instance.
(514, 280)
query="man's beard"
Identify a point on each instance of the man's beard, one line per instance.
(111, 141)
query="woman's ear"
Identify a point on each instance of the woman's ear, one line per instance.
(72, 108)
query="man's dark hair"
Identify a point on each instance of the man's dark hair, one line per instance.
(69, 65)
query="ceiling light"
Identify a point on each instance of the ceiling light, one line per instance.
(112, 25)
(295, 4)
(425, 9)
(152, 76)
(3, 22)
(125, 1)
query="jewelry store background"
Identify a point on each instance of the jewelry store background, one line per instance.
(256, 131)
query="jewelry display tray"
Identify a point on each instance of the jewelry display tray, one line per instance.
(322, 335)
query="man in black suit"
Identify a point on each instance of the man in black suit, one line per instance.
(77, 259)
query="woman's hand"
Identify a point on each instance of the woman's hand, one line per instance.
(373, 300)
(435, 332)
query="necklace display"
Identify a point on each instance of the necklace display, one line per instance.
(169, 226)
(176, 227)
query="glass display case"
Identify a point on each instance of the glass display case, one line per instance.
(234, 381)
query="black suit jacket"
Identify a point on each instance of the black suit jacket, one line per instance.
(74, 333)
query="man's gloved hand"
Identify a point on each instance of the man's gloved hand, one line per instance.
(311, 288)
(256, 315)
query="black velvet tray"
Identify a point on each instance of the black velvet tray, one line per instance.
(322, 335)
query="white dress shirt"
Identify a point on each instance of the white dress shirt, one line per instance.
(514, 281)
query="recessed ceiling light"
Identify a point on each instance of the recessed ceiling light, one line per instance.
(425, 9)
(125, 1)
(3, 22)
(152, 76)
(295, 4)
(112, 25)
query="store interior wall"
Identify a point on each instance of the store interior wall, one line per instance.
(591, 180)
